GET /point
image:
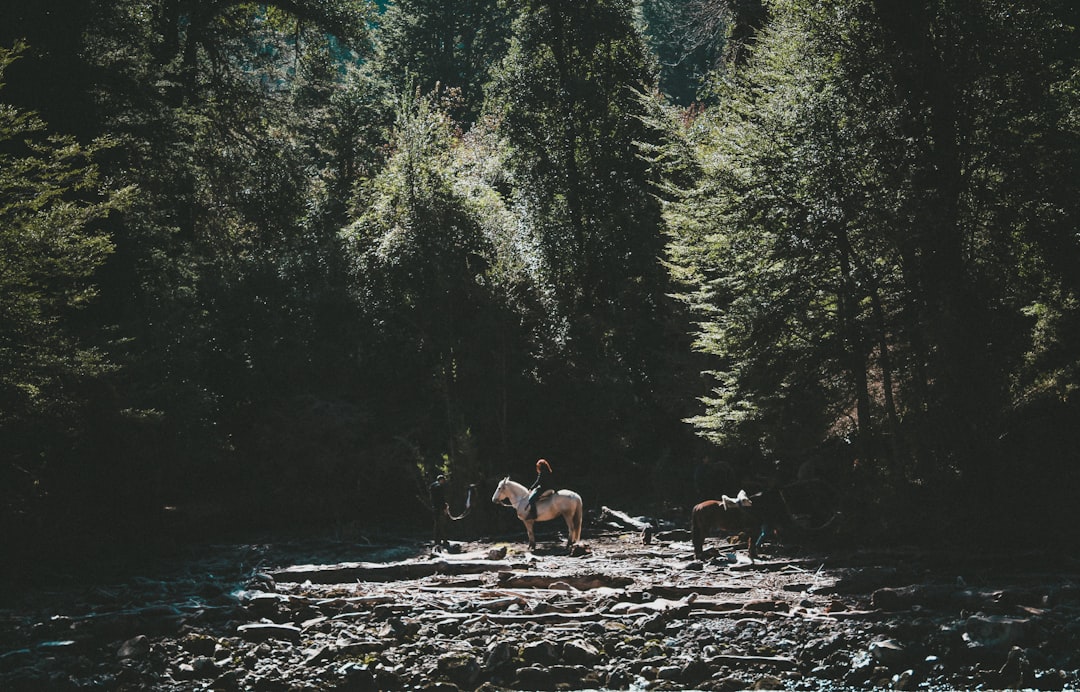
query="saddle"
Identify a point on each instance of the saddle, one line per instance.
(741, 500)
(532, 512)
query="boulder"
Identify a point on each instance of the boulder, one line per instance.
(260, 632)
(136, 647)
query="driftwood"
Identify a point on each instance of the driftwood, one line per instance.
(660, 605)
(674, 591)
(347, 572)
(582, 582)
(545, 618)
(946, 596)
(624, 519)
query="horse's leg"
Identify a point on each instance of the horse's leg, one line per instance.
(751, 545)
(532, 536)
(569, 518)
(578, 512)
(697, 534)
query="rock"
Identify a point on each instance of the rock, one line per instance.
(229, 680)
(862, 669)
(904, 681)
(618, 679)
(262, 581)
(184, 671)
(199, 644)
(768, 682)
(388, 680)
(573, 677)
(1050, 680)
(358, 676)
(728, 683)
(399, 628)
(578, 651)
(693, 672)
(534, 677)
(499, 654)
(542, 652)
(996, 631)
(1017, 670)
(264, 605)
(204, 667)
(260, 632)
(461, 669)
(136, 647)
(820, 648)
(669, 673)
(653, 623)
(318, 655)
(889, 652)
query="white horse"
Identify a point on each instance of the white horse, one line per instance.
(561, 503)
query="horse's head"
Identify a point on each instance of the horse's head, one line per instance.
(500, 491)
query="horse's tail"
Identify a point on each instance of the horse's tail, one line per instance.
(697, 530)
(468, 505)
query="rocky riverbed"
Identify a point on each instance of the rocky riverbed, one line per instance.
(617, 613)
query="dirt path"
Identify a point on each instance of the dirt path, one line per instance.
(619, 614)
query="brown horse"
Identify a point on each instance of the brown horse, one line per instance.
(753, 516)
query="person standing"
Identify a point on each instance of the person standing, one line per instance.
(440, 509)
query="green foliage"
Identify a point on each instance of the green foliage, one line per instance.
(448, 46)
(423, 266)
(246, 140)
(865, 245)
(565, 106)
(871, 222)
(692, 38)
(53, 242)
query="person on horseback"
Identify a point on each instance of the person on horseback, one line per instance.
(543, 476)
(440, 509)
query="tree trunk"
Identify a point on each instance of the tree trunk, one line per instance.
(924, 52)
(853, 341)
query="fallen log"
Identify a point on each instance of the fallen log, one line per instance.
(546, 618)
(947, 596)
(674, 591)
(583, 582)
(624, 519)
(354, 600)
(347, 572)
(660, 605)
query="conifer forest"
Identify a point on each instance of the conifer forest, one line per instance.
(268, 265)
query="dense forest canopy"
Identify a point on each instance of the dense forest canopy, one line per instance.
(283, 262)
